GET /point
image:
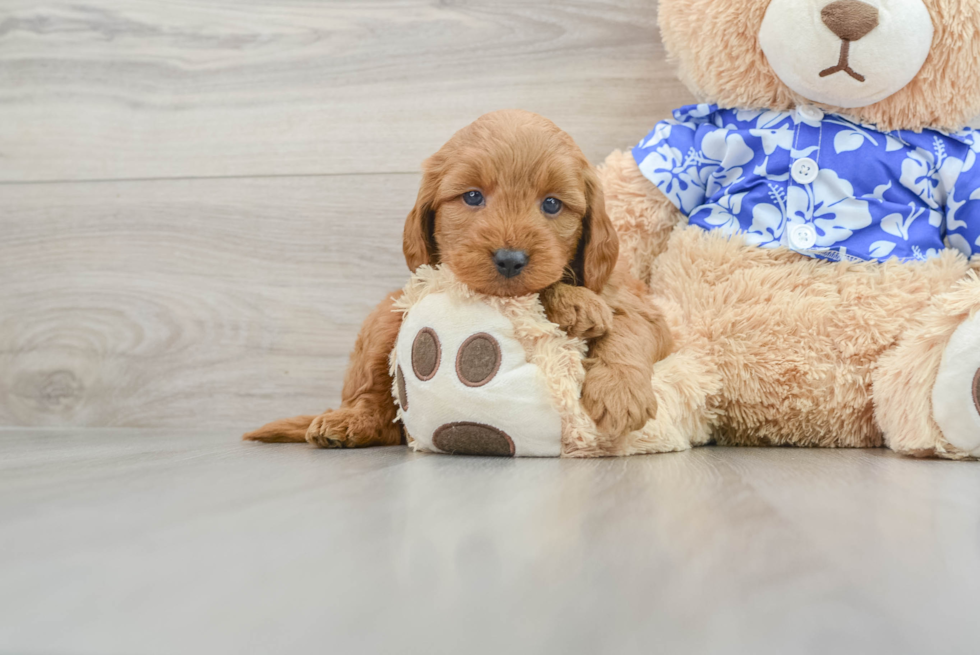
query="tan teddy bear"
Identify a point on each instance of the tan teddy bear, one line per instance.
(812, 235)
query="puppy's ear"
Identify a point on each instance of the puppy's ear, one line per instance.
(419, 239)
(599, 244)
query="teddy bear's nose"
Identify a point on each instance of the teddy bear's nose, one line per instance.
(850, 20)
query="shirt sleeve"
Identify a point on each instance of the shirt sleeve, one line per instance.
(668, 157)
(963, 203)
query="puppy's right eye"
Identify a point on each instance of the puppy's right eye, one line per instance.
(473, 198)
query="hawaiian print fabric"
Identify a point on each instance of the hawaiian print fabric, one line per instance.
(872, 195)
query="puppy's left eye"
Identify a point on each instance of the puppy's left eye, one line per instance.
(473, 198)
(551, 206)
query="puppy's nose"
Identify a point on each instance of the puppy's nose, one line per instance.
(850, 20)
(510, 263)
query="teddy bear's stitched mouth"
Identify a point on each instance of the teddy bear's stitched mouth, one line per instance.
(844, 64)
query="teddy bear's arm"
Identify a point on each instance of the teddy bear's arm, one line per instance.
(644, 217)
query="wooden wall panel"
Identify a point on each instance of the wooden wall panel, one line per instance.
(189, 302)
(132, 89)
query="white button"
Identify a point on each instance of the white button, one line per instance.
(805, 170)
(803, 237)
(810, 113)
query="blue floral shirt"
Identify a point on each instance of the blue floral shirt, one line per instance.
(821, 185)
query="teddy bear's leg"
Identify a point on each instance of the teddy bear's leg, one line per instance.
(927, 389)
(956, 394)
(644, 217)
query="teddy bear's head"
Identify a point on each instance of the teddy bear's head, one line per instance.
(898, 64)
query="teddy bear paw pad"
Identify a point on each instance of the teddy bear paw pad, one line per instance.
(465, 385)
(473, 439)
(956, 394)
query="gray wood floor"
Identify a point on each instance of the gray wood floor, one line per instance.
(157, 542)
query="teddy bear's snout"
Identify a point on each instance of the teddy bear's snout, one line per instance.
(850, 20)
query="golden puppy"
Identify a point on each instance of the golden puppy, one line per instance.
(512, 206)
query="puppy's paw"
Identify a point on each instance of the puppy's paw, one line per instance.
(351, 427)
(619, 401)
(578, 311)
(331, 429)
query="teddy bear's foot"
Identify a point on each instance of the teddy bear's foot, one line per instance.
(926, 388)
(956, 394)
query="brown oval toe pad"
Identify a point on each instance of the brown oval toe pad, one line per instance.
(473, 439)
(426, 354)
(402, 391)
(478, 360)
(976, 390)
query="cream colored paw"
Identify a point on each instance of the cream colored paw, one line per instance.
(466, 385)
(956, 394)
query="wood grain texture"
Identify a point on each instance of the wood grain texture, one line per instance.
(148, 542)
(190, 302)
(120, 89)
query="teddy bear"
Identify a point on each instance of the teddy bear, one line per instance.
(811, 230)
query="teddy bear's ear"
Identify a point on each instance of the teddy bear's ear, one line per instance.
(599, 244)
(419, 240)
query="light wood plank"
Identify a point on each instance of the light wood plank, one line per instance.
(155, 542)
(111, 89)
(194, 302)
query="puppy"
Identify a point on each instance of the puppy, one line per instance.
(512, 206)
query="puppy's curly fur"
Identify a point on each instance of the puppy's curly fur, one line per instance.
(515, 160)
